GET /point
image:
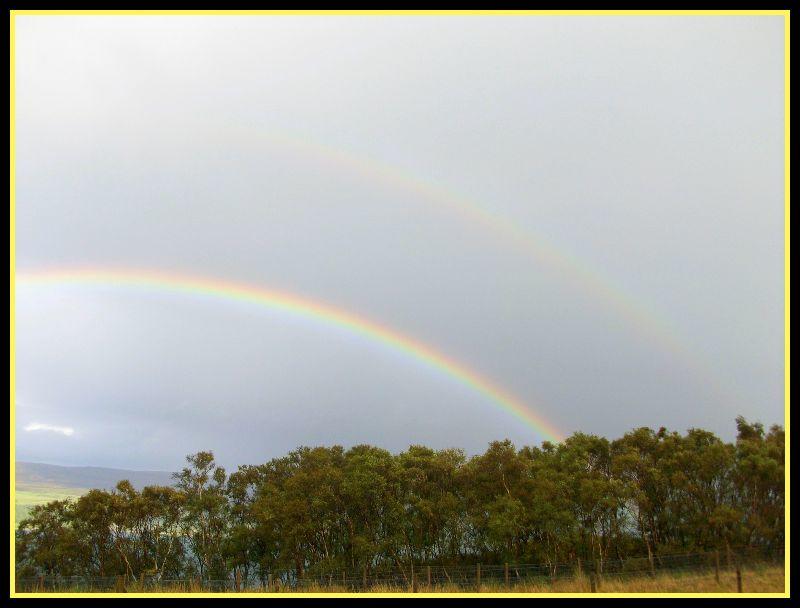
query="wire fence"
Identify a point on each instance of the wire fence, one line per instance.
(432, 577)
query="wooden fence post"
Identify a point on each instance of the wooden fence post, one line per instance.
(119, 587)
(364, 581)
(716, 566)
(738, 577)
(238, 580)
(478, 578)
(592, 583)
(413, 579)
(269, 581)
(505, 572)
(428, 572)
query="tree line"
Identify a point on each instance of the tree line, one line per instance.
(327, 509)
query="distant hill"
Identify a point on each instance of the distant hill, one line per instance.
(38, 474)
(38, 483)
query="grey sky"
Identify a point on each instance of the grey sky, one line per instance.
(650, 149)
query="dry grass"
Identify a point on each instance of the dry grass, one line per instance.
(755, 579)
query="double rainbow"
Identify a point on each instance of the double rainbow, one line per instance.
(638, 316)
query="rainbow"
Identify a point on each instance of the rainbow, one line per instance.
(301, 307)
(639, 317)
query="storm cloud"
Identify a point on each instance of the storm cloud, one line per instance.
(507, 190)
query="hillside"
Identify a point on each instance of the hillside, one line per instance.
(38, 483)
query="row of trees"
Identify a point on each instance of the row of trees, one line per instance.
(328, 509)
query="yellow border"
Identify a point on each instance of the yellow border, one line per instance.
(12, 205)
(786, 333)
(641, 13)
(422, 13)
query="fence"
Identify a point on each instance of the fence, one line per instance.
(432, 577)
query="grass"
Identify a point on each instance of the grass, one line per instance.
(755, 579)
(30, 495)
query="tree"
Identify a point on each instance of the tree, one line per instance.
(205, 518)
(324, 510)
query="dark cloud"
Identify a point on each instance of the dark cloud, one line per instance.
(650, 150)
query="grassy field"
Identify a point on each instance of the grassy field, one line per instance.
(29, 495)
(39, 483)
(755, 579)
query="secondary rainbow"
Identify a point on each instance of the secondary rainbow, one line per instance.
(302, 307)
(564, 264)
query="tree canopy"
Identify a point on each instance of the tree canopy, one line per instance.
(327, 509)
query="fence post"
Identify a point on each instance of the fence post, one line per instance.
(344, 580)
(41, 583)
(716, 565)
(238, 580)
(592, 583)
(428, 572)
(364, 582)
(413, 579)
(269, 581)
(505, 571)
(478, 578)
(119, 587)
(738, 577)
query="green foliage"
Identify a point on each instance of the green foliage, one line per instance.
(320, 511)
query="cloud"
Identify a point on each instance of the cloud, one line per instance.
(64, 430)
(653, 154)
